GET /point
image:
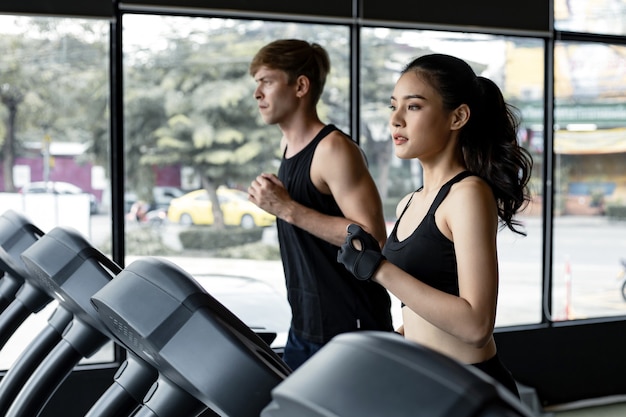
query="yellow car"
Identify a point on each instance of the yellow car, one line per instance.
(195, 208)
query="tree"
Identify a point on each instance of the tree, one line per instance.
(211, 123)
(54, 84)
(11, 97)
(189, 98)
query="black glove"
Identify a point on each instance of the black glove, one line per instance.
(364, 262)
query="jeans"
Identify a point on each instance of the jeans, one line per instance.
(298, 350)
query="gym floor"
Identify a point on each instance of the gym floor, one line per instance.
(613, 409)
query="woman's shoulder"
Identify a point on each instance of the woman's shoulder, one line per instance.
(474, 194)
(471, 184)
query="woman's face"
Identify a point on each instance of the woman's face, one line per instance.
(420, 127)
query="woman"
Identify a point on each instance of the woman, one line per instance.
(441, 260)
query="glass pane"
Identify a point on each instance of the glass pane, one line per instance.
(192, 131)
(606, 17)
(54, 133)
(516, 65)
(590, 186)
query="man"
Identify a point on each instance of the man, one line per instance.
(322, 186)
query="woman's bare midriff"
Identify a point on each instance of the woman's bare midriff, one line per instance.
(420, 331)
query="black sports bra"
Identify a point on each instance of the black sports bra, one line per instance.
(427, 254)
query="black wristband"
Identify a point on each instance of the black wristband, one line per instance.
(362, 263)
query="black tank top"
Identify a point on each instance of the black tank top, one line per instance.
(325, 298)
(427, 254)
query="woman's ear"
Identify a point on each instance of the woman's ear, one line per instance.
(460, 116)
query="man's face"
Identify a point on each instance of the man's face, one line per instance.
(275, 97)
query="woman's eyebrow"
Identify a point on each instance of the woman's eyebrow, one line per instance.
(410, 96)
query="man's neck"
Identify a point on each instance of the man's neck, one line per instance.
(300, 133)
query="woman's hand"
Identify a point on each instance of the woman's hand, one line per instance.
(360, 253)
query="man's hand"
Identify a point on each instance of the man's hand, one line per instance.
(360, 253)
(269, 193)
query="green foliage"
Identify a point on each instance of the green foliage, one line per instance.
(188, 95)
(144, 240)
(258, 250)
(616, 212)
(210, 238)
(233, 243)
(55, 82)
(225, 141)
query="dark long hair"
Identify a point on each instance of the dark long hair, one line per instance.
(489, 139)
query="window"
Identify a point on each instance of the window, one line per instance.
(516, 65)
(606, 17)
(192, 123)
(590, 185)
(54, 131)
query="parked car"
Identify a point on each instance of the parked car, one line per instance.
(60, 187)
(196, 208)
(153, 212)
(161, 197)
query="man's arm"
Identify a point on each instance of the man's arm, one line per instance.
(339, 169)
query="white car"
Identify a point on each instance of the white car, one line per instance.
(60, 187)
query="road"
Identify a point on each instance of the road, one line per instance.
(586, 259)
